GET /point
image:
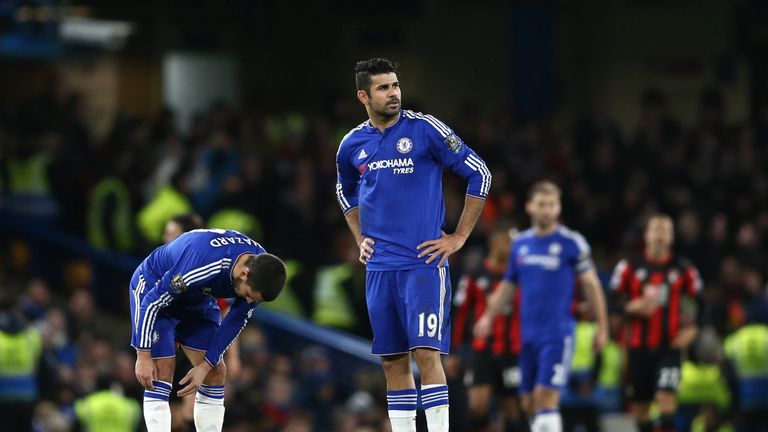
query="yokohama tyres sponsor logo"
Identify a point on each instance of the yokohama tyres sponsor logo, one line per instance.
(391, 163)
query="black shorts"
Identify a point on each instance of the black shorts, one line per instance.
(651, 371)
(500, 371)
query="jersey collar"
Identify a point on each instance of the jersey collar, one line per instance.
(556, 230)
(372, 128)
(661, 261)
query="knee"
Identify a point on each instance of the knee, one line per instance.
(545, 398)
(526, 402)
(427, 359)
(667, 402)
(478, 406)
(165, 369)
(396, 365)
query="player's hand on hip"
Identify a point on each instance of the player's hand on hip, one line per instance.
(482, 327)
(145, 370)
(194, 378)
(366, 249)
(441, 248)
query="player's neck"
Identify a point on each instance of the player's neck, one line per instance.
(496, 263)
(382, 123)
(545, 231)
(658, 255)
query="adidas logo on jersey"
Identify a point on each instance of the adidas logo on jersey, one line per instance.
(363, 154)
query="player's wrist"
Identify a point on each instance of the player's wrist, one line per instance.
(143, 354)
(462, 235)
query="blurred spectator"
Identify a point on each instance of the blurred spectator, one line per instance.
(110, 217)
(107, 409)
(48, 418)
(319, 392)
(81, 314)
(339, 294)
(20, 357)
(703, 381)
(36, 300)
(217, 162)
(180, 224)
(57, 341)
(169, 201)
(747, 349)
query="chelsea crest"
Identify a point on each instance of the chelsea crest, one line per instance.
(404, 145)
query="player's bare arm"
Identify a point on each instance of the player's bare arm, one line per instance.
(642, 307)
(145, 369)
(364, 243)
(593, 290)
(687, 333)
(685, 337)
(448, 244)
(500, 297)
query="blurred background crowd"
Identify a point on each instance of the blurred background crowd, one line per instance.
(81, 202)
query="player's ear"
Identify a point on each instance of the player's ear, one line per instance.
(362, 96)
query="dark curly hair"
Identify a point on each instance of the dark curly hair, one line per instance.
(375, 66)
(267, 275)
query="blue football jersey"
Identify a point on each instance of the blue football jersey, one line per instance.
(545, 268)
(395, 179)
(189, 271)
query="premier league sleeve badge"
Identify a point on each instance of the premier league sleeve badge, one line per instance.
(454, 143)
(177, 285)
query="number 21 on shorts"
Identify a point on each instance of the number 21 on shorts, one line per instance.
(431, 322)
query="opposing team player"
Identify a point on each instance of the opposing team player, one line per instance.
(389, 186)
(545, 262)
(172, 295)
(493, 372)
(652, 286)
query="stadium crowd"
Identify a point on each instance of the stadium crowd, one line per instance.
(270, 174)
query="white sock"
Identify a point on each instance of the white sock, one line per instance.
(434, 400)
(547, 420)
(437, 418)
(157, 415)
(403, 421)
(401, 405)
(209, 408)
(157, 411)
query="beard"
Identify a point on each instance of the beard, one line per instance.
(544, 224)
(385, 112)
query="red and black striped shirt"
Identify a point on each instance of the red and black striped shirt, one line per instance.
(663, 281)
(471, 298)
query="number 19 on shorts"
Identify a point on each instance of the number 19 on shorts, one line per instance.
(431, 324)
